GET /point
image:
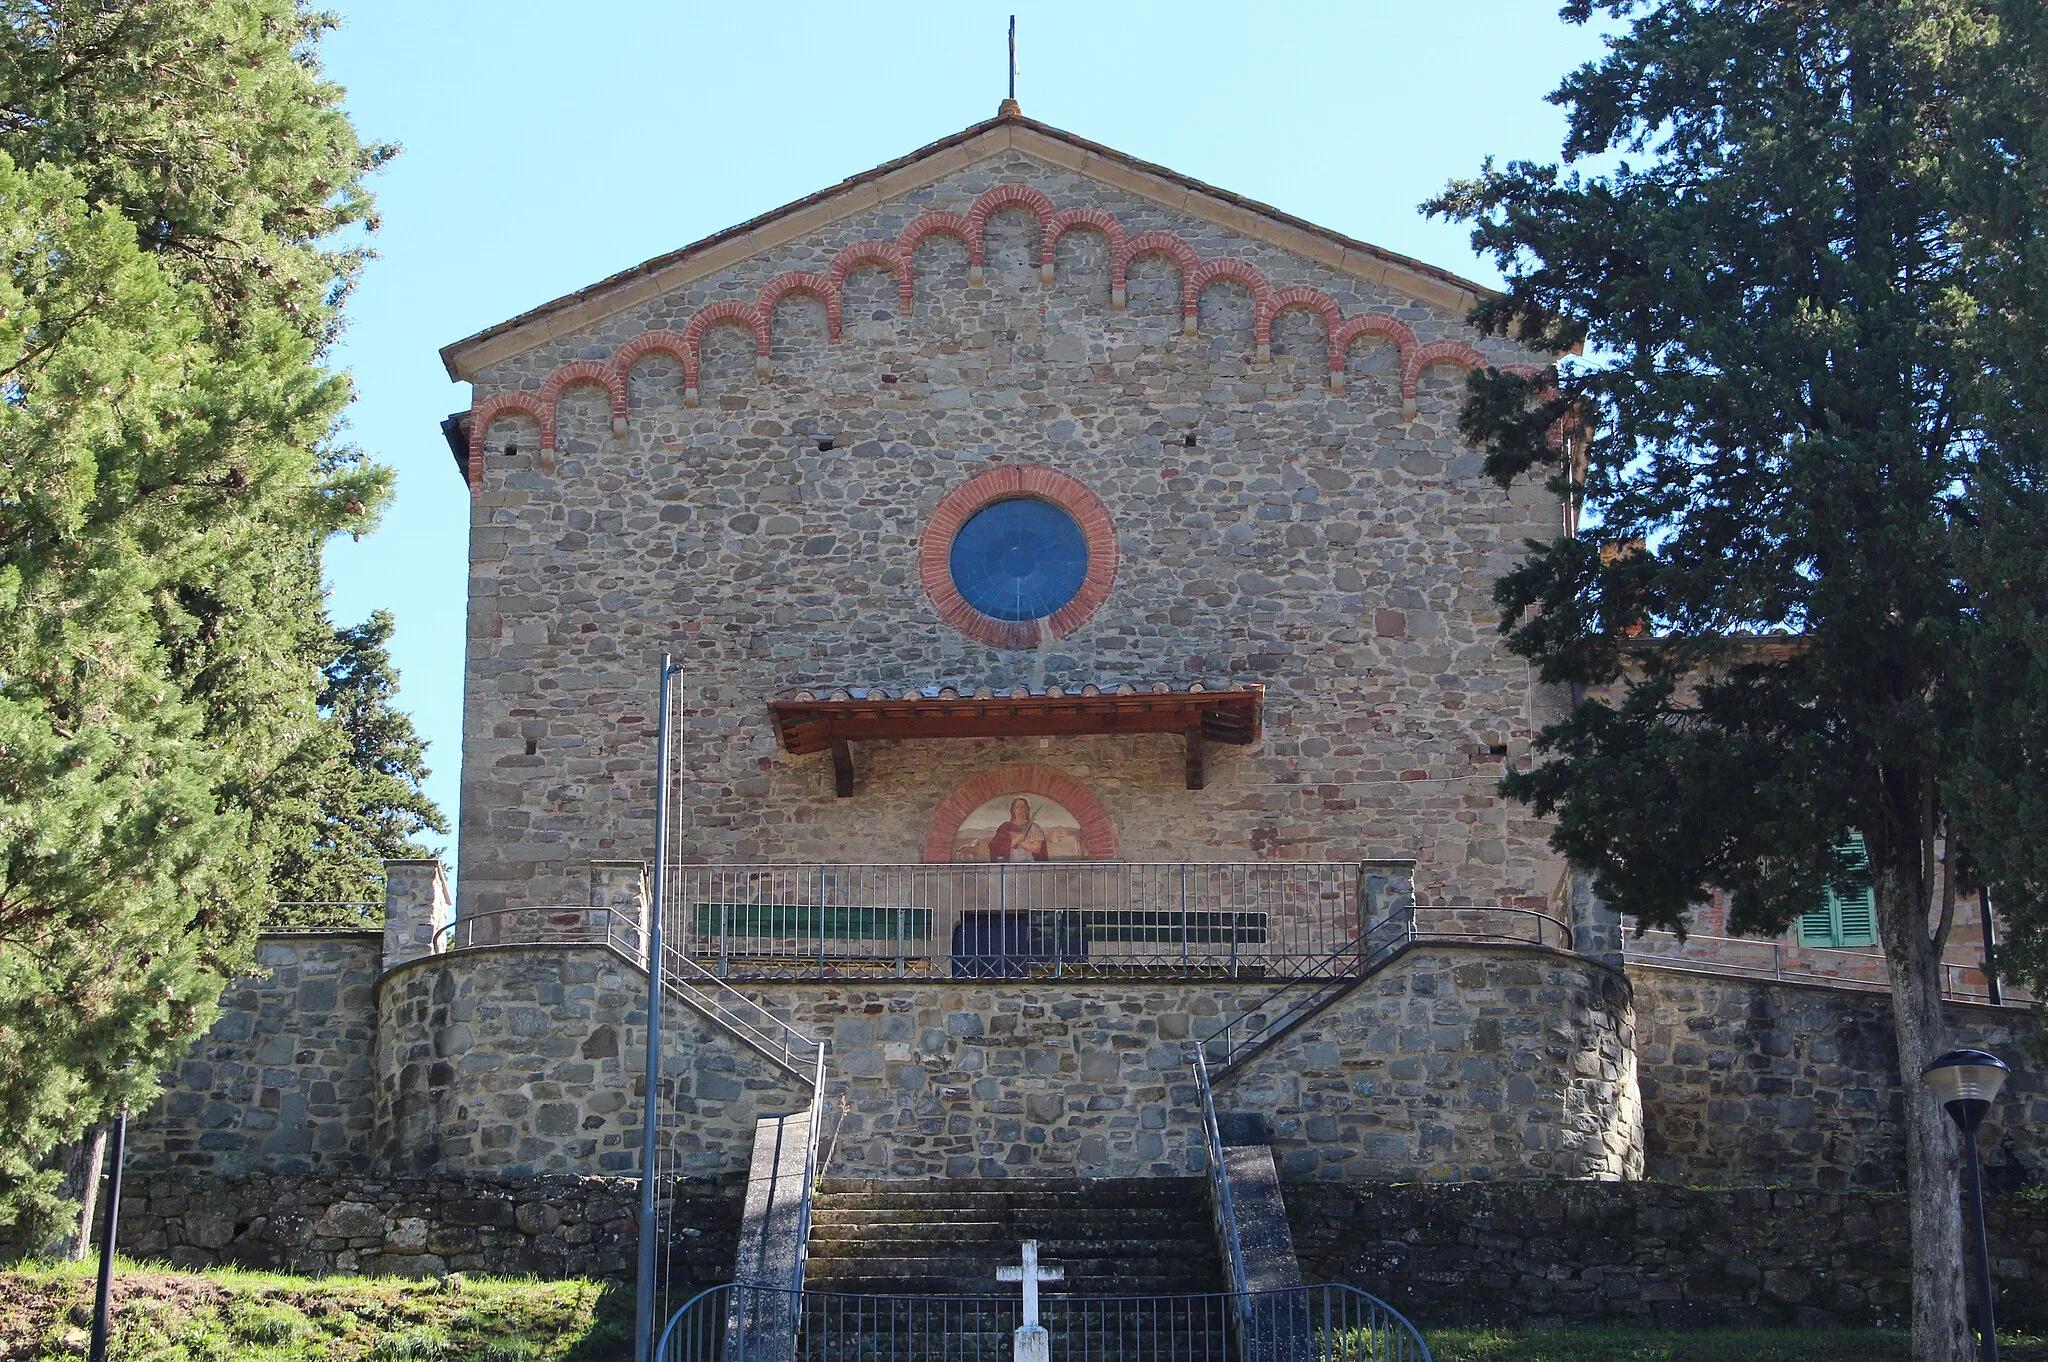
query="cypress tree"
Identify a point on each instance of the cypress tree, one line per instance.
(362, 800)
(173, 174)
(1802, 354)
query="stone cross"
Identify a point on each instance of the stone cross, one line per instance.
(1032, 1343)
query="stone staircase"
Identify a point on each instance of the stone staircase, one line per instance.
(1113, 1236)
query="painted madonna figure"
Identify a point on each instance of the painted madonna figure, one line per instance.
(1021, 838)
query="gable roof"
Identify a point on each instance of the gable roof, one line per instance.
(664, 274)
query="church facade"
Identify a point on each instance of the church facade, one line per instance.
(758, 455)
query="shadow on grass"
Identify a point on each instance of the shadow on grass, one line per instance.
(230, 1315)
(1609, 1344)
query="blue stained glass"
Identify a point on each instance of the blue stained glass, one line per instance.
(1020, 559)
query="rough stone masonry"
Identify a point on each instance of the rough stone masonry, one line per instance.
(739, 471)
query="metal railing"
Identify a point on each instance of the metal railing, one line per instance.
(1777, 960)
(1221, 1208)
(811, 1170)
(1072, 919)
(1278, 1012)
(1493, 926)
(750, 1022)
(558, 925)
(1294, 1324)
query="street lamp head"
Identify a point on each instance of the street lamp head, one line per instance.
(1966, 1082)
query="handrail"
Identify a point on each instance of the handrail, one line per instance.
(1369, 958)
(1951, 972)
(1204, 919)
(1220, 1204)
(708, 994)
(803, 1215)
(1564, 928)
(449, 936)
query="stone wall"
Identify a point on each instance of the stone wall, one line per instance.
(284, 1081)
(1324, 543)
(1459, 1063)
(1454, 1062)
(522, 1060)
(320, 1223)
(1586, 1253)
(1747, 1081)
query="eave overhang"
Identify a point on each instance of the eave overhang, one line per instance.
(807, 725)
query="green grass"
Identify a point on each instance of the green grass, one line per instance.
(1603, 1344)
(233, 1316)
(227, 1315)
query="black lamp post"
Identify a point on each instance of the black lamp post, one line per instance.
(1966, 1082)
(103, 1301)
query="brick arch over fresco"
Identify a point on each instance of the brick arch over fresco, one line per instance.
(935, 551)
(1024, 778)
(971, 226)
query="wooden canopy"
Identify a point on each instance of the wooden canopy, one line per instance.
(806, 725)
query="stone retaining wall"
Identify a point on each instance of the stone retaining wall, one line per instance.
(523, 1060)
(1607, 1252)
(283, 1082)
(1750, 1081)
(544, 1226)
(1454, 1062)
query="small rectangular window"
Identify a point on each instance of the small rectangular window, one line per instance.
(1845, 923)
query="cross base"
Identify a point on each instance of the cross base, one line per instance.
(1031, 1344)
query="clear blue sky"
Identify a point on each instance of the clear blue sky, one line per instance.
(548, 145)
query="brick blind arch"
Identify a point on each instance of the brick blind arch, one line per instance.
(1098, 833)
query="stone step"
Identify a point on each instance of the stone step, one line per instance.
(1125, 1236)
(897, 1284)
(1095, 1260)
(1151, 1220)
(995, 1202)
(1092, 1188)
(997, 1240)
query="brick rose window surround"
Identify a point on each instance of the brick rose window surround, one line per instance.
(1024, 778)
(957, 507)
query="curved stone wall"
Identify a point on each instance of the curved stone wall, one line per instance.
(1456, 1062)
(1460, 1063)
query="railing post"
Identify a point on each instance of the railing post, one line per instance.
(1238, 876)
(650, 1237)
(724, 931)
(1183, 915)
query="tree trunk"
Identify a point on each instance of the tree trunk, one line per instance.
(1941, 1330)
(89, 1191)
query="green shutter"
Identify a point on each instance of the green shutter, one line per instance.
(1817, 929)
(1856, 919)
(1844, 923)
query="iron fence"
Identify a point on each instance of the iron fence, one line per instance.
(1092, 919)
(741, 1323)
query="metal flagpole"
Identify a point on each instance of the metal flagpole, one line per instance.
(643, 1300)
